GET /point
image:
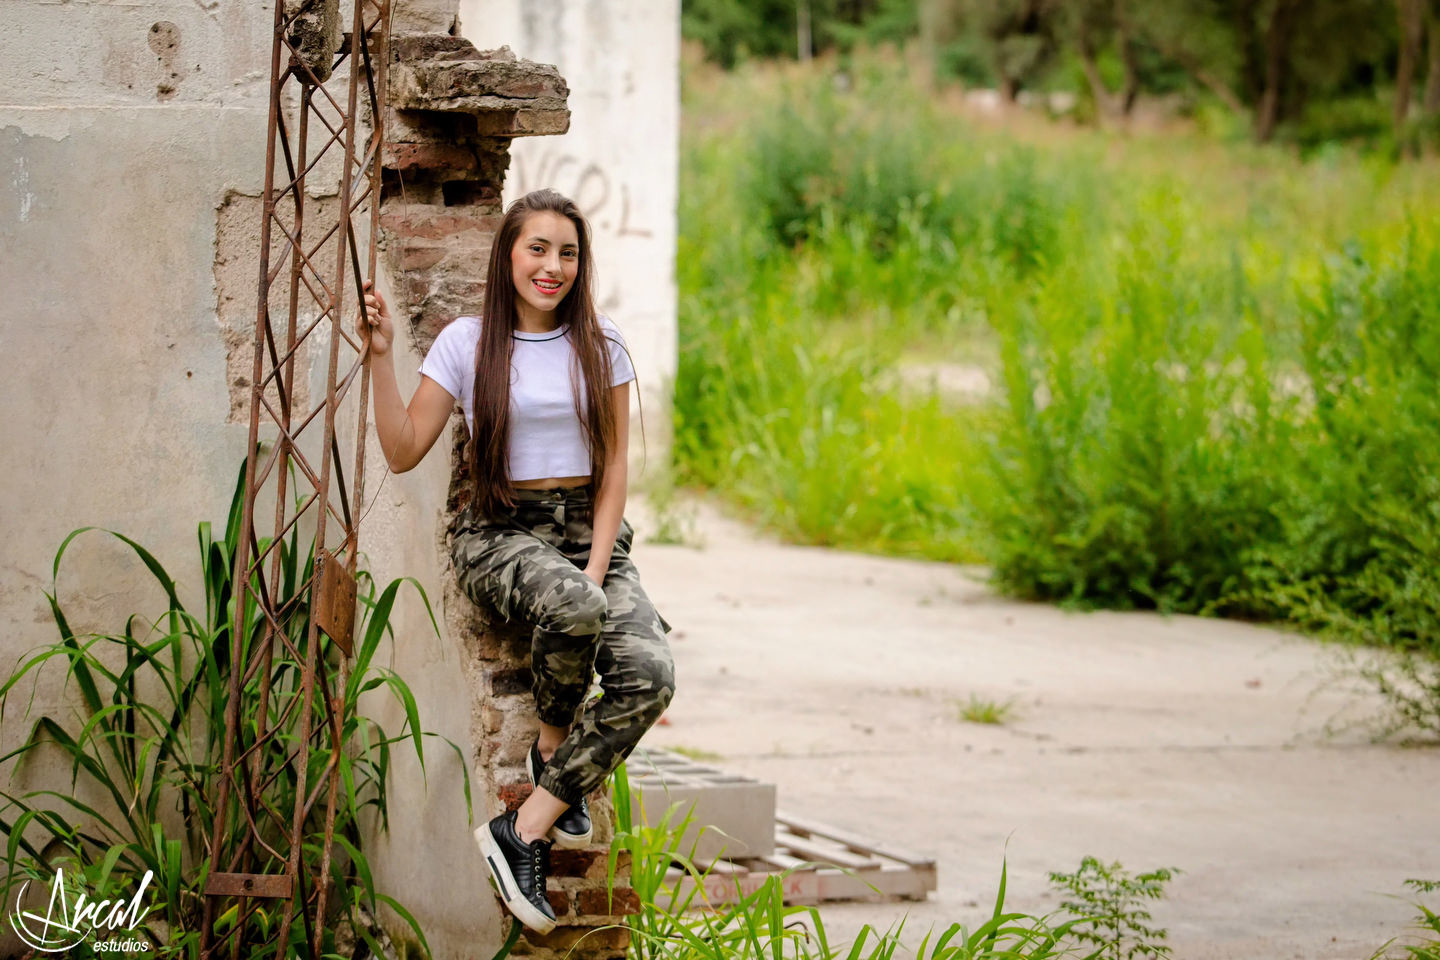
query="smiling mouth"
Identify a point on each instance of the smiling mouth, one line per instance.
(547, 286)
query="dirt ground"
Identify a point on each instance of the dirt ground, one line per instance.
(1156, 741)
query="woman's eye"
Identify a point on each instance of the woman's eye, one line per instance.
(571, 254)
(536, 248)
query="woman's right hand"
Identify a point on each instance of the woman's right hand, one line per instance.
(374, 324)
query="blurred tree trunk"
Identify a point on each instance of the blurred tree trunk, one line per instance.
(1105, 104)
(804, 45)
(1172, 44)
(1244, 23)
(1431, 104)
(1412, 33)
(1126, 34)
(1277, 67)
(1096, 24)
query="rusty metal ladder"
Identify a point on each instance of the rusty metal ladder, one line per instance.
(310, 273)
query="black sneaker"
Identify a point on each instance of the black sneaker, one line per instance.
(519, 870)
(572, 830)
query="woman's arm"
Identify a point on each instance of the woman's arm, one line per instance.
(406, 433)
(610, 498)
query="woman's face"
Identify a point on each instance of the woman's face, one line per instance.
(544, 261)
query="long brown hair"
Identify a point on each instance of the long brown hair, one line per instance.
(590, 373)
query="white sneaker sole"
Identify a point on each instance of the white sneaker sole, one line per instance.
(523, 909)
(561, 841)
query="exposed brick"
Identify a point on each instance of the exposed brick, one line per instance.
(600, 902)
(508, 681)
(464, 289)
(601, 868)
(522, 123)
(491, 718)
(559, 901)
(507, 753)
(437, 223)
(427, 327)
(414, 256)
(415, 286)
(577, 863)
(513, 794)
(601, 942)
(438, 46)
(513, 747)
(484, 643)
(457, 81)
(429, 158)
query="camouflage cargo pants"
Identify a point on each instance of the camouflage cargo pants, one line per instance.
(528, 564)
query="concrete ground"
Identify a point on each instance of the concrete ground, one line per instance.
(1157, 741)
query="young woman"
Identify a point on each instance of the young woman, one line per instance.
(544, 382)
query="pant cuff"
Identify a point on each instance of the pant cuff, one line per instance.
(552, 781)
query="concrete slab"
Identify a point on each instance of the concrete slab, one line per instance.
(1184, 742)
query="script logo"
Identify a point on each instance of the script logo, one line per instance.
(66, 924)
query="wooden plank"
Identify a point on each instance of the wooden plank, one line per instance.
(809, 850)
(853, 841)
(783, 861)
(808, 887)
(722, 866)
(878, 886)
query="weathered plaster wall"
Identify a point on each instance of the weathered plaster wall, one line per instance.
(618, 161)
(428, 860)
(115, 158)
(132, 145)
(121, 129)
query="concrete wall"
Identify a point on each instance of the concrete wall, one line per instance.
(122, 131)
(132, 146)
(618, 162)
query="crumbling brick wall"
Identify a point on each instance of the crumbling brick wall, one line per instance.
(454, 111)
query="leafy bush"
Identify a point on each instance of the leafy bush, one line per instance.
(1110, 905)
(1427, 946)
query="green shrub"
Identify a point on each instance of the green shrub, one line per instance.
(1110, 905)
(1214, 368)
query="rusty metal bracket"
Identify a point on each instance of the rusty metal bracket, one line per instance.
(335, 600)
(249, 885)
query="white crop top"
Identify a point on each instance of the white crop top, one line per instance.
(546, 437)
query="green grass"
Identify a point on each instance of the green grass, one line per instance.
(1215, 369)
(677, 922)
(978, 710)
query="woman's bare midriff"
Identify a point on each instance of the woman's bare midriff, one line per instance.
(550, 482)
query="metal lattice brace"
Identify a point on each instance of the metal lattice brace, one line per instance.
(294, 607)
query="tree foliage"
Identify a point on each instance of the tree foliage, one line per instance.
(1307, 70)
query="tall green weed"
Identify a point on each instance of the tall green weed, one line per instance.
(148, 737)
(1213, 368)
